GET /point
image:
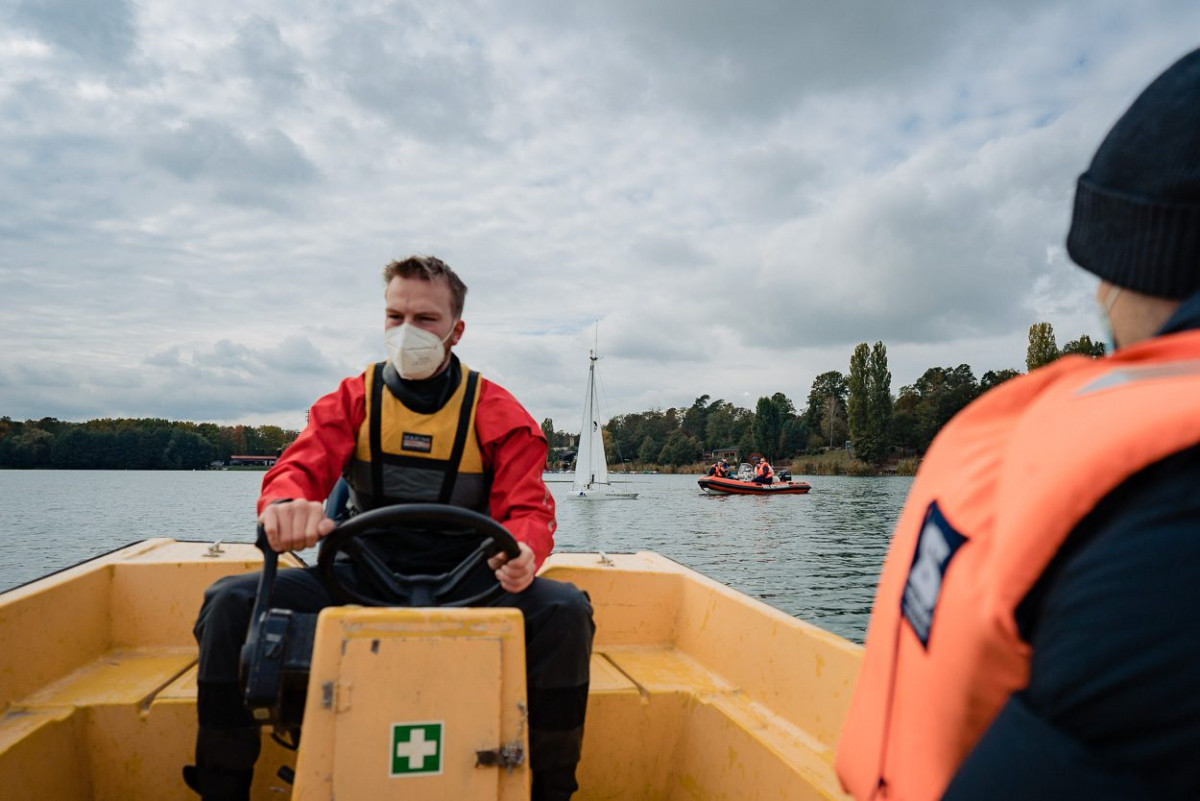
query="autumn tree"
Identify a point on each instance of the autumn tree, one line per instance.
(1042, 348)
(826, 412)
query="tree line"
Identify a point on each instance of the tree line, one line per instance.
(856, 408)
(132, 444)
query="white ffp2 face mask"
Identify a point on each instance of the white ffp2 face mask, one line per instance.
(415, 352)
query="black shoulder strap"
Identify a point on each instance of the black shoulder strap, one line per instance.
(377, 434)
(460, 438)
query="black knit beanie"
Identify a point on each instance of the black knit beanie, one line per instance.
(1136, 222)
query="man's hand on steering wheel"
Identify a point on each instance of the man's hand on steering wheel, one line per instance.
(514, 575)
(295, 525)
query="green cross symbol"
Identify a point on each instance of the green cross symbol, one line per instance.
(416, 749)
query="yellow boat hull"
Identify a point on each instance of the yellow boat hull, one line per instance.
(697, 692)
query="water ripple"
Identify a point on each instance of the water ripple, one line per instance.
(815, 556)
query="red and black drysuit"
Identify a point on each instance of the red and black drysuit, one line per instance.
(511, 449)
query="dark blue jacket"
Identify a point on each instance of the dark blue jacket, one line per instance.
(1112, 710)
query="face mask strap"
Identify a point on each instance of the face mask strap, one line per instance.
(1111, 298)
(1110, 344)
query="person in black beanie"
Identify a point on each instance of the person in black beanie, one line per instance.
(1036, 633)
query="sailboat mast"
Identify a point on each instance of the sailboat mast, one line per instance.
(584, 459)
(599, 457)
(593, 422)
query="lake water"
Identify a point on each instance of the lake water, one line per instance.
(815, 556)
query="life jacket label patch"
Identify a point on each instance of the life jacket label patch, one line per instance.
(936, 546)
(421, 443)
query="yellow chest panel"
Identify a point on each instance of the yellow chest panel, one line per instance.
(407, 433)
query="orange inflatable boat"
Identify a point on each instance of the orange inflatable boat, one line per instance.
(714, 485)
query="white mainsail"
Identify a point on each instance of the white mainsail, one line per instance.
(591, 463)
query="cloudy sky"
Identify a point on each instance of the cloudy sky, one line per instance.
(196, 199)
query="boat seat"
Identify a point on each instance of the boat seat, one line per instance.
(77, 726)
(693, 722)
(120, 676)
(43, 742)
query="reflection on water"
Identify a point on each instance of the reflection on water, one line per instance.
(815, 556)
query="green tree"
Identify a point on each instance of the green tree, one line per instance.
(993, 378)
(548, 431)
(935, 397)
(869, 406)
(1084, 346)
(906, 432)
(768, 426)
(630, 433)
(795, 436)
(680, 449)
(187, 450)
(726, 425)
(624, 434)
(826, 412)
(1042, 348)
(695, 419)
(31, 447)
(649, 450)
(273, 439)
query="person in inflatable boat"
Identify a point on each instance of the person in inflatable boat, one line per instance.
(763, 474)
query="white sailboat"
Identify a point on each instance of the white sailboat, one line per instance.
(591, 465)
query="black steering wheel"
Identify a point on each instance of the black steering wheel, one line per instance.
(392, 588)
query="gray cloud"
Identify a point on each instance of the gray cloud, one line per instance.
(426, 80)
(224, 381)
(194, 207)
(101, 33)
(753, 61)
(268, 61)
(260, 168)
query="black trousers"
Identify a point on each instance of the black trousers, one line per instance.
(558, 644)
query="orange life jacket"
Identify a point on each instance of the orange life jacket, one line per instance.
(763, 470)
(1000, 489)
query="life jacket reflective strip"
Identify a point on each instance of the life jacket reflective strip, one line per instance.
(404, 456)
(999, 491)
